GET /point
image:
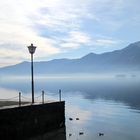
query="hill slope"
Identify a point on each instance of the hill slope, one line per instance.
(127, 59)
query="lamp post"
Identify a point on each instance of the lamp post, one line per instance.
(32, 51)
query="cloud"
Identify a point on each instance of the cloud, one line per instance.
(106, 42)
(63, 15)
(75, 39)
(59, 25)
(18, 19)
(79, 37)
(70, 45)
(16, 32)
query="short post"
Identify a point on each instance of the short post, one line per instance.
(60, 95)
(19, 98)
(43, 97)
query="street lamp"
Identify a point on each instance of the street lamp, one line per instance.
(32, 51)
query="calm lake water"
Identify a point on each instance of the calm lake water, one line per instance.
(103, 105)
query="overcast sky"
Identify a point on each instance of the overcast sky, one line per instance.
(65, 28)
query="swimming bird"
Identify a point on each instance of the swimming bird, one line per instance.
(101, 134)
(81, 133)
(70, 134)
(70, 119)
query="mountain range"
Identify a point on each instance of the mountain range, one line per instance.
(126, 59)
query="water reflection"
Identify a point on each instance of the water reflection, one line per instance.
(108, 106)
(114, 120)
(120, 90)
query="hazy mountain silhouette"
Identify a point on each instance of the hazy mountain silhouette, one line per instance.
(127, 59)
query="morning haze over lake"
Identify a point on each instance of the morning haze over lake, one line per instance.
(86, 53)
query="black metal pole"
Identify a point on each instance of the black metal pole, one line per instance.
(32, 73)
(60, 95)
(43, 97)
(19, 98)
